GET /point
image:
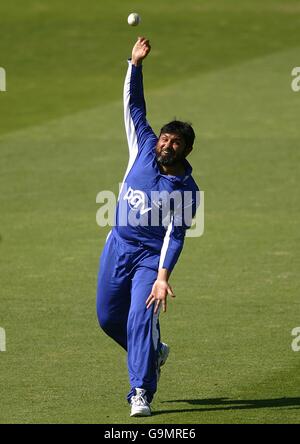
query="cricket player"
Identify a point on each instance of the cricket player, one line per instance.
(144, 245)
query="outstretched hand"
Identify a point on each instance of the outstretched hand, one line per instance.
(140, 50)
(160, 290)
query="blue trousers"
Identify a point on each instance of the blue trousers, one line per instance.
(125, 279)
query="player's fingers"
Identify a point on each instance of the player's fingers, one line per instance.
(145, 43)
(156, 306)
(164, 305)
(150, 300)
(170, 292)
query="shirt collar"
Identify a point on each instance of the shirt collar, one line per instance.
(185, 177)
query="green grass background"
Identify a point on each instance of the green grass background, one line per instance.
(224, 65)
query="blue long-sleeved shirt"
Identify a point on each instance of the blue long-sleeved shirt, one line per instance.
(153, 209)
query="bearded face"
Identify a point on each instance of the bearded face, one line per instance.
(170, 149)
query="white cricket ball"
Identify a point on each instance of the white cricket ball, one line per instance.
(133, 19)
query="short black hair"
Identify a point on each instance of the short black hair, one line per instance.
(183, 129)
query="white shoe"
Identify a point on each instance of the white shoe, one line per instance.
(162, 357)
(139, 404)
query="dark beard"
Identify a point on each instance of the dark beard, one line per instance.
(168, 159)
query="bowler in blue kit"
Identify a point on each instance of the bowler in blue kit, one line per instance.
(157, 201)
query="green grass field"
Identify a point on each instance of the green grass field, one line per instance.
(225, 66)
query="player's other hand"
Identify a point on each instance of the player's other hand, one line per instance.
(140, 50)
(158, 295)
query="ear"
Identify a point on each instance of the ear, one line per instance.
(188, 150)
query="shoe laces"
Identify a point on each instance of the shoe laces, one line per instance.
(140, 399)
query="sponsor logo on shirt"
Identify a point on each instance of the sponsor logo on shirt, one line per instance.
(137, 200)
(136, 208)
